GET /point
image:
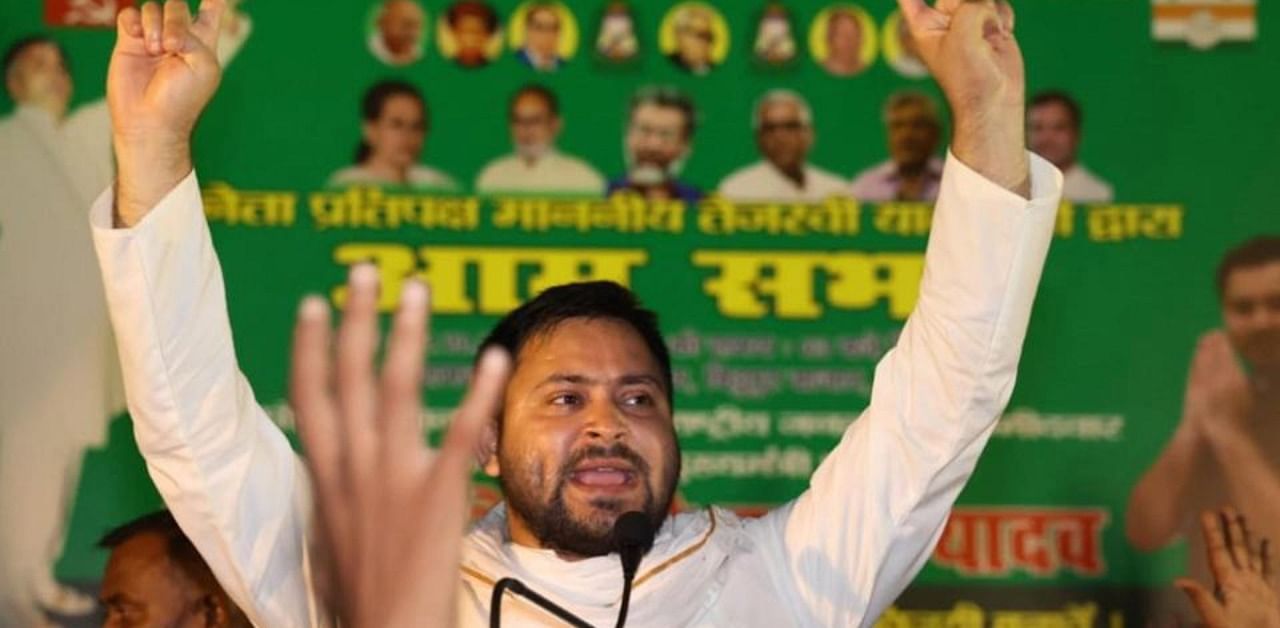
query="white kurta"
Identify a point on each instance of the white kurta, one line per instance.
(762, 181)
(59, 380)
(550, 173)
(836, 556)
(1081, 185)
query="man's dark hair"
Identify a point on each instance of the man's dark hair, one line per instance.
(591, 300)
(1059, 97)
(180, 551)
(160, 523)
(533, 89)
(473, 8)
(16, 49)
(541, 5)
(376, 97)
(670, 97)
(1255, 252)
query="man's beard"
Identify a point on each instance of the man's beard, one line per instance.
(557, 529)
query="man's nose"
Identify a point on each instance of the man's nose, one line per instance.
(605, 422)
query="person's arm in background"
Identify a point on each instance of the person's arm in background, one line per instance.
(1161, 501)
(1214, 433)
(874, 510)
(225, 471)
(1253, 482)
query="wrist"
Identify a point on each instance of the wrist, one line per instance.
(146, 170)
(992, 141)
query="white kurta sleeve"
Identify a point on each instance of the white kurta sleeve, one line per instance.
(225, 471)
(874, 509)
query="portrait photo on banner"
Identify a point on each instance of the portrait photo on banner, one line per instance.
(695, 37)
(543, 35)
(842, 40)
(470, 33)
(396, 31)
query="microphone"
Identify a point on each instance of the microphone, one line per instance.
(632, 538)
(517, 587)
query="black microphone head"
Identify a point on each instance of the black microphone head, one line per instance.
(632, 538)
(633, 531)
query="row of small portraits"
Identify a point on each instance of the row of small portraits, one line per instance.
(544, 35)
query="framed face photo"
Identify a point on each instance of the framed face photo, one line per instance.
(775, 41)
(617, 42)
(396, 31)
(842, 40)
(470, 33)
(694, 37)
(543, 35)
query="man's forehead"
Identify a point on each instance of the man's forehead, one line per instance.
(1253, 280)
(590, 347)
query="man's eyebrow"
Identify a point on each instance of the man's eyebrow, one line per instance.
(579, 378)
(567, 378)
(641, 378)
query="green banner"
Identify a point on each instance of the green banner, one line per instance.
(776, 312)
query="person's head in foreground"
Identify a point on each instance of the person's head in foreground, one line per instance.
(393, 128)
(914, 128)
(1249, 291)
(1243, 592)
(473, 24)
(844, 43)
(1054, 122)
(36, 75)
(784, 130)
(659, 131)
(155, 577)
(400, 25)
(534, 114)
(586, 431)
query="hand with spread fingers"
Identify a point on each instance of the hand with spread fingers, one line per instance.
(391, 512)
(164, 70)
(1244, 594)
(971, 51)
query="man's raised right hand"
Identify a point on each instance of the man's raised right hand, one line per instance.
(163, 72)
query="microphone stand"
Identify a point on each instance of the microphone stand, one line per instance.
(517, 587)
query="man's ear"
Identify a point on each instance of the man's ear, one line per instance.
(487, 448)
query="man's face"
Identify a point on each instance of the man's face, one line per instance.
(694, 40)
(542, 31)
(142, 587)
(844, 38)
(783, 136)
(656, 138)
(1052, 134)
(397, 136)
(401, 26)
(1251, 314)
(39, 77)
(533, 126)
(587, 436)
(913, 134)
(472, 34)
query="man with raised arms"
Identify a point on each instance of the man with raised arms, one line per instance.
(585, 430)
